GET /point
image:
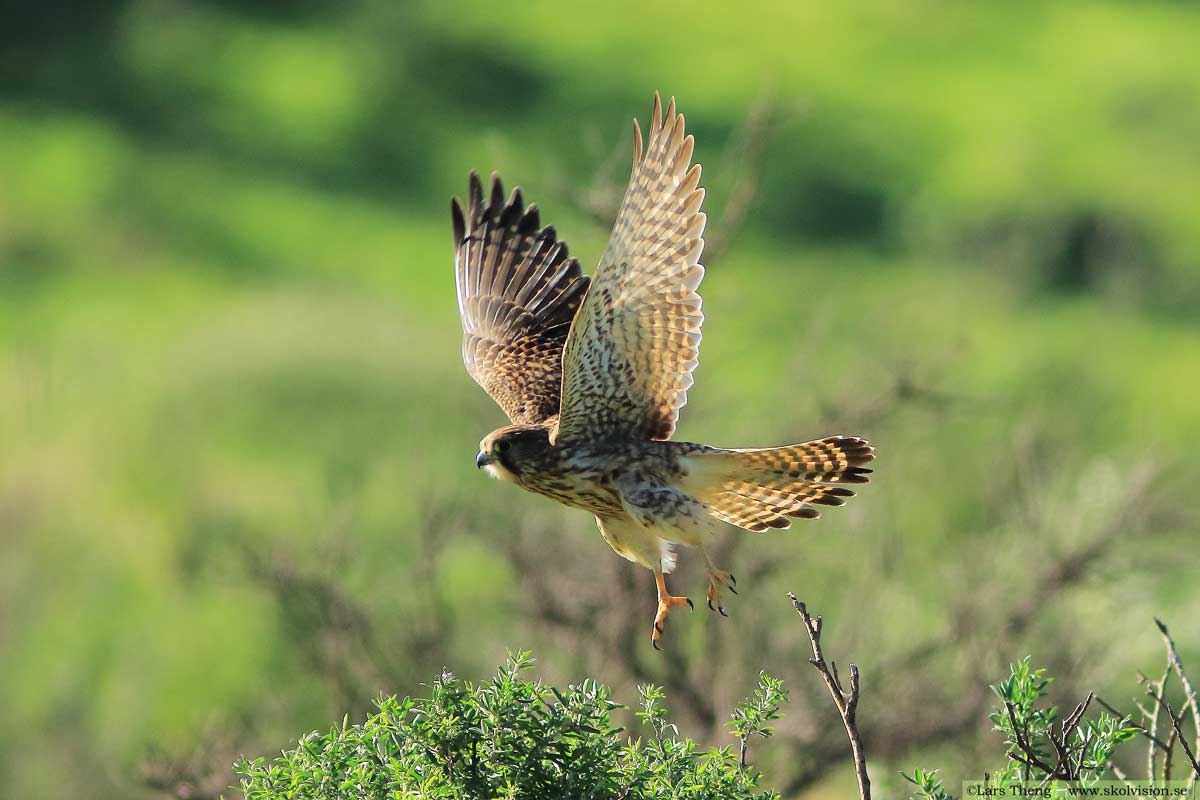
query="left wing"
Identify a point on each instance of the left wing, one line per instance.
(517, 293)
(629, 357)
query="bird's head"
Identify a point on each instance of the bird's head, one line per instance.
(507, 452)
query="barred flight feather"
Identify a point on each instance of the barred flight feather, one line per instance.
(629, 359)
(761, 488)
(518, 290)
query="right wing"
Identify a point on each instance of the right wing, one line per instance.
(517, 293)
(629, 359)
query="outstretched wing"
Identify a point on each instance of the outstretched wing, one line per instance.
(629, 359)
(517, 293)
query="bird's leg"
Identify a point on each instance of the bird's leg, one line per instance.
(718, 579)
(665, 601)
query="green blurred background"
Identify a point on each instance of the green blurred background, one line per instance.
(237, 490)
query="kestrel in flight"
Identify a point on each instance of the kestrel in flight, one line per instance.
(592, 374)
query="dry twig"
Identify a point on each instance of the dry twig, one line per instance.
(846, 702)
(1169, 751)
(1178, 732)
(1188, 690)
(1156, 690)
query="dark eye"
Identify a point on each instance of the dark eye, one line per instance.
(501, 447)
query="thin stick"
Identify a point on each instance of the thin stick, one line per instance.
(1157, 691)
(1188, 691)
(1187, 751)
(1169, 750)
(847, 703)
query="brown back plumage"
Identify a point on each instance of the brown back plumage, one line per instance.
(629, 358)
(518, 291)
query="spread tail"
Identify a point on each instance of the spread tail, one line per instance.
(761, 488)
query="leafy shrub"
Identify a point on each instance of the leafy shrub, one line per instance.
(929, 785)
(1079, 751)
(512, 737)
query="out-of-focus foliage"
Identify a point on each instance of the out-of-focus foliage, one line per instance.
(507, 738)
(237, 491)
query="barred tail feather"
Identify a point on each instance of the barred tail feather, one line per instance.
(764, 488)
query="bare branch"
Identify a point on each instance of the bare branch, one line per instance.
(1069, 724)
(1155, 690)
(1175, 718)
(1188, 691)
(847, 704)
(1169, 750)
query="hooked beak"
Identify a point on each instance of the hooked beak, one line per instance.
(482, 460)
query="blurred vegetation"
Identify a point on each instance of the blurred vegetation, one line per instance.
(237, 491)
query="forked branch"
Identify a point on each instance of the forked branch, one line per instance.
(846, 702)
(1178, 732)
(1189, 692)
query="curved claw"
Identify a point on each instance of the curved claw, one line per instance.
(718, 580)
(732, 579)
(658, 627)
(691, 605)
(654, 642)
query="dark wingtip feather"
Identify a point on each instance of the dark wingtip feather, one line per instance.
(530, 220)
(855, 475)
(514, 279)
(496, 203)
(512, 209)
(475, 204)
(460, 224)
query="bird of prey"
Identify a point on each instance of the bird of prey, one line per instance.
(592, 374)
